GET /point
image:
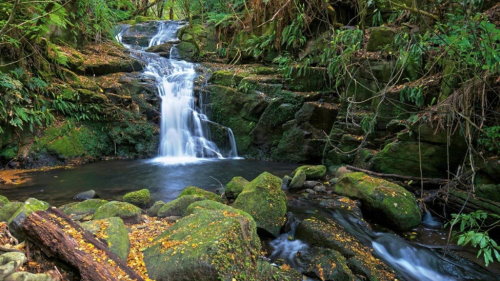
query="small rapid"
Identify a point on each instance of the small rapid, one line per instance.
(184, 131)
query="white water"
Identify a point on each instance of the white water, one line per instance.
(184, 131)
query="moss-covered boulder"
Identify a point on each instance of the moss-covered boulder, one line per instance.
(193, 190)
(82, 209)
(10, 262)
(31, 205)
(139, 198)
(235, 187)
(264, 200)
(327, 264)
(298, 179)
(124, 210)
(153, 210)
(380, 37)
(394, 205)
(178, 206)
(27, 276)
(114, 232)
(215, 242)
(3, 200)
(313, 172)
(188, 51)
(7, 210)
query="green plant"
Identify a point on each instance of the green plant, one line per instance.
(490, 139)
(471, 231)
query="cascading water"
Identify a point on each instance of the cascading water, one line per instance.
(184, 125)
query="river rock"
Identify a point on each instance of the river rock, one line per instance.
(394, 205)
(162, 49)
(114, 232)
(320, 188)
(178, 206)
(7, 210)
(140, 198)
(264, 200)
(10, 262)
(235, 187)
(79, 210)
(26, 276)
(124, 210)
(3, 200)
(31, 205)
(326, 265)
(311, 184)
(193, 190)
(342, 203)
(89, 194)
(298, 180)
(222, 245)
(313, 172)
(153, 210)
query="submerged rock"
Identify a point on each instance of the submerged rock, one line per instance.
(126, 211)
(264, 200)
(214, 242)
(89, 194)
(394, 205)
(178, 206)
(139, 198)
(235, 187)
(114, 232)
(193, 190)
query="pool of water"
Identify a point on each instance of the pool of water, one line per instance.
(112, 179)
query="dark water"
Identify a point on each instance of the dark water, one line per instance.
(112, 179)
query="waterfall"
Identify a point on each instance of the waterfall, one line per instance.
(184, 133)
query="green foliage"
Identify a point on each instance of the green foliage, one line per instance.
(414, 95)
(470, 232)
(490, 139)
(293, 34)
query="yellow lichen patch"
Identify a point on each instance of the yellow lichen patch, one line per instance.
(142, 236)
(16, 177)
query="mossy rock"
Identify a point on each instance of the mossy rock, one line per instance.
(394, 205)
(29, 206)
(313, 172)
(27, 276)
(124, 210)
(139, 198)
(298, 179)
(87, 207)
(3, 200)
(178, 206)
(10, 262)
(264, 200)
(489, 191)
(209, 244)
(235, 187)
(381, 37)
(7, 210)
(327, 264)
(188, 51)
(227, 78)
(114, 232)
(153, 210)
(193, 190)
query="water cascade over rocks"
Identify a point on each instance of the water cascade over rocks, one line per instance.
(185, 135)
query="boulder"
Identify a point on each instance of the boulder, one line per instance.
(187, 51)
(163, 49)
(313, 172)
(327, 265)
(82, 209)
(153, 210)
(139, 198)
(114, 232)
(9, 209)
(3, 200)
(10, 262)
(235, 187)
(178, 206)
(381, 37)
(82, 196)
(264, 200)
(319, 114)
(394, 205)
(27, 276)
(223, 245)
(124, 210)
(298, 180)
(31, 205)
(193, 190)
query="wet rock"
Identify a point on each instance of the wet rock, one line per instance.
(223, 244)
(140, 198)
(313, 172)
(178, 206)
(394, 205)
(342, 203)
(114, 232)
(264, 200)
(82, 196)
(298, 180)
(26, 276)
(193, 190)
(286, 182)
(140, 34)
(187, 51)
(320, 188)
(327, 265)
(319, 115)
(79, 210)
(310, 191)
(126, 211)
(311, 184)
(31, 205)
(7, 210)
(163, 49)
(235, 187)
(153, 210)
(10, 262)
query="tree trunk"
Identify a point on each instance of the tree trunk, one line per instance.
(63, 238)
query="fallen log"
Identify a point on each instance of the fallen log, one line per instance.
(456, 201)
(433, 181)
(61, 237)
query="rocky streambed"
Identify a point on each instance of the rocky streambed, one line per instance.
(305, 225)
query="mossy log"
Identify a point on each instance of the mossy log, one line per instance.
(457, 201)
(61, 237)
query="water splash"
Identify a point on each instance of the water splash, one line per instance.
(185, 136)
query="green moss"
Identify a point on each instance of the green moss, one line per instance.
(264, 200)
(7, 210)
(86, 207)
(10, 152)
(227, 78)
(329, 264)
(31, 205)
(153, 211)
(123, 210)
(394, 205)
(291, 146)
(235, 187)
(380, 38)
(139, 198)
(188, 50)
(215, 242)
(313, 172)
(3, 200)
(178, 206)
(193, 190)
(114, 232)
